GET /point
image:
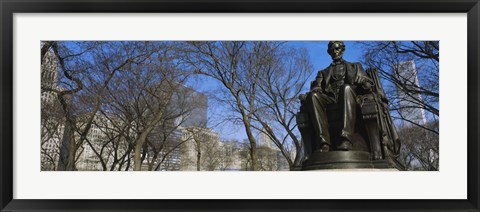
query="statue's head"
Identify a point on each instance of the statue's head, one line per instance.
(336, 49)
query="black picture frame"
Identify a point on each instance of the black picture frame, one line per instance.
(9, 7)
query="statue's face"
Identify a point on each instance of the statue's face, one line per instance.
(336, 51)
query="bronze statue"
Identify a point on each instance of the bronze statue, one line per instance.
(339, 83)
(344, 118)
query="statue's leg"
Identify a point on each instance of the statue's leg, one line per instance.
(347, 100)
(317, 109)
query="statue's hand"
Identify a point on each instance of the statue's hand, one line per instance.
(384, 98)
(316, 90)
(367, 86)
(302, 97)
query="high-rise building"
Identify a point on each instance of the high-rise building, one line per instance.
(408, 103)
(194, 105)
(49, 75)
(52, 124)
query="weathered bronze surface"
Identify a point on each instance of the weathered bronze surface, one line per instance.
(344, 119)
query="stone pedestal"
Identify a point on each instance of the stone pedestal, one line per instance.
(346, 160)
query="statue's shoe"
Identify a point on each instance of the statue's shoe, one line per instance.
(325, 148)
(345, 145)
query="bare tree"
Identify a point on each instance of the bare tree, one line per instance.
(51, 128)
(420, 148)
(267, 159)
(198, 139)
(281, 82)
(169, 137)
(208, 151)
(229, 155)
(109, 141)
(86, 68)
(121, 101)
(239, 67)
(212, 157)
(244, 156)
(146, 97)
(406, 91)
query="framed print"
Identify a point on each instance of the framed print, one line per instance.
(210, 105)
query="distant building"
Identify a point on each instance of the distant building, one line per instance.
(52, 124)
(192, 105)
(232, 160)
(97, 136)
(270, 156)
(49, 76)
(196, 102)
(265, 140)
(166, 142)
(203, 140)
(409, 109)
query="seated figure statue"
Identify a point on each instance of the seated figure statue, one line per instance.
(346, 110)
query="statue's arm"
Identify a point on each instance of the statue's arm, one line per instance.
(316, 85)
(362, 79)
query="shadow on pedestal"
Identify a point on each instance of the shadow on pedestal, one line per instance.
(347, 160)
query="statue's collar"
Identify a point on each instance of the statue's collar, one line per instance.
(340, 62)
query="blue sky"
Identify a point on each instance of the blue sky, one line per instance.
(319, 56)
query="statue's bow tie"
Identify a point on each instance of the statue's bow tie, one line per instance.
(340, 62)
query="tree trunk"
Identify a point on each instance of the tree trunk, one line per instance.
(137, 159)
(66, 160)
(253, 147)
(199, 155)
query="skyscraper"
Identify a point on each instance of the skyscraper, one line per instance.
(410, 110)
(49, 75)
